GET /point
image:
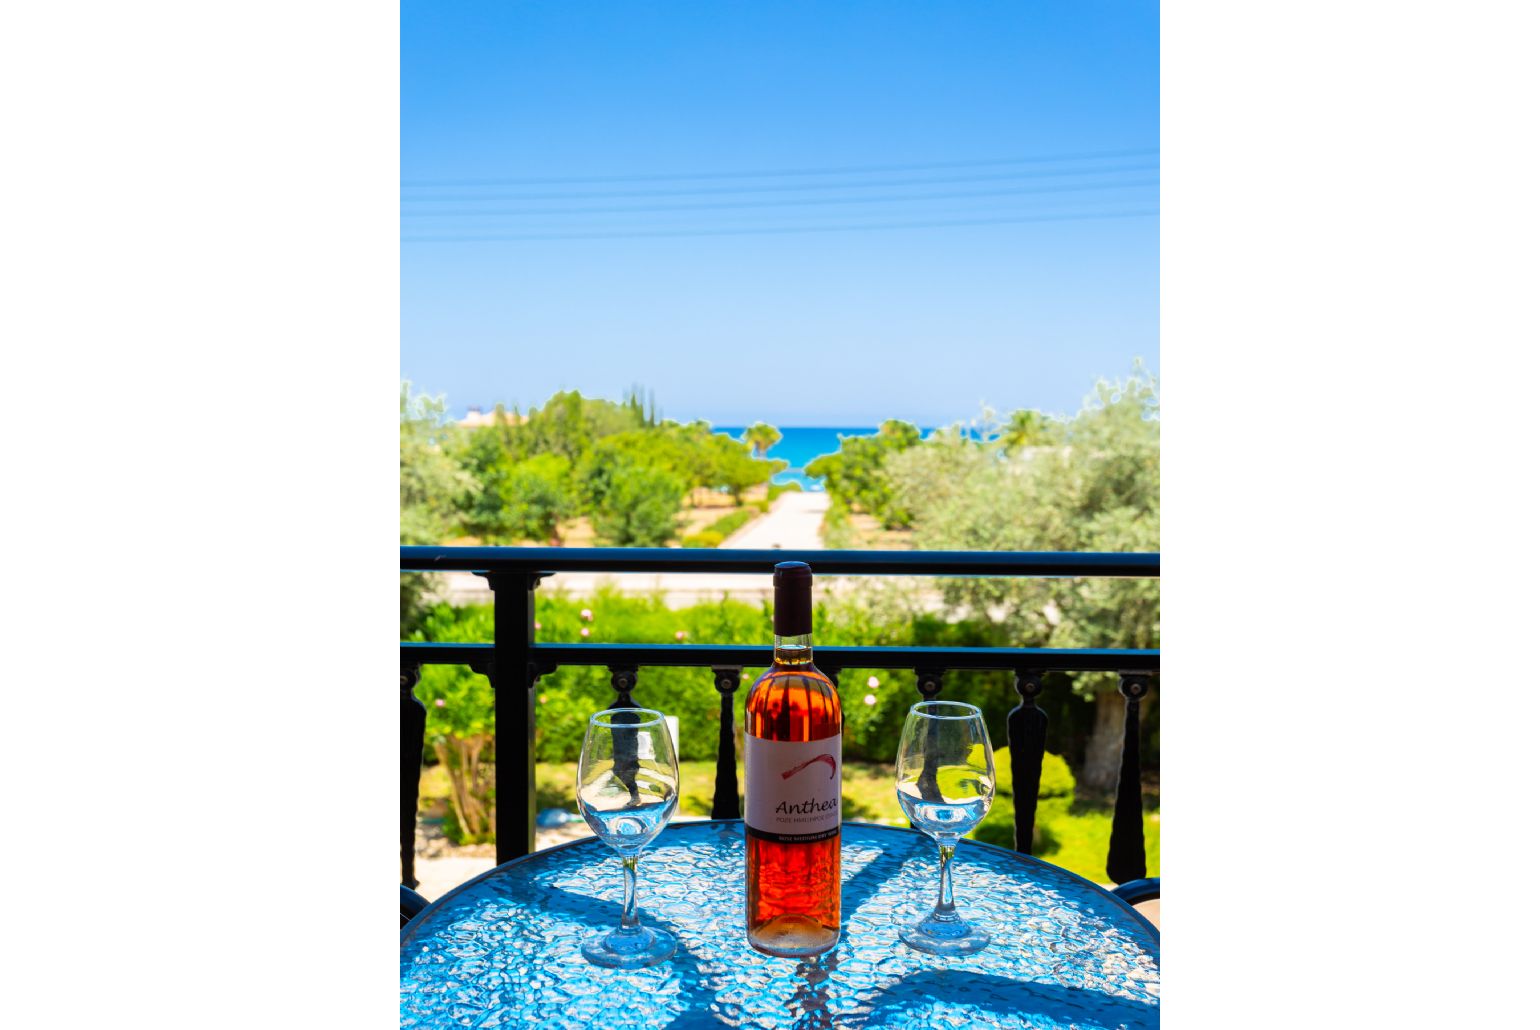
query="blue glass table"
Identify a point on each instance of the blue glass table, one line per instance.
(502, 949)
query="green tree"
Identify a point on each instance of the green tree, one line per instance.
(1099, 490)
(432, 485)
(559, 427)
(543, 495)
(432, 481)
(569, 424)
(761, 436)
(928, 478)
(632, 504)
(523, 500)
(520, 495)
(670, 448)
(460, 721)
(486, 453)
(898, 434)
(734, 468)
(854, 475)
(698, 459)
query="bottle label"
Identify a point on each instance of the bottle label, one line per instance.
(791, 789)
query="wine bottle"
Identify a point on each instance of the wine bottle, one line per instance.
(791, 786)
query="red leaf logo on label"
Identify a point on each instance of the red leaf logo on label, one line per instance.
(826, 759)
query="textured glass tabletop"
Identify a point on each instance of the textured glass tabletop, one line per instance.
(502, 950)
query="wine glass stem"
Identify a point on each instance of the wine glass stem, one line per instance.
(944, 901)
(628, 920)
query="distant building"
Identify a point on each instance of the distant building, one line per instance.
(475, 418)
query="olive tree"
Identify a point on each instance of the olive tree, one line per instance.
(432, 485)
(1098, 489)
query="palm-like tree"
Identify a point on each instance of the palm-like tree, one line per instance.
(1024, 429)
(761, 437)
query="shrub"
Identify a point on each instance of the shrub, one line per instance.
(1057, 780)
(721, 529)
(459, 731)
(1055, 791)
(777, 489)
(837, 530)
(730, 523)
(998, 826)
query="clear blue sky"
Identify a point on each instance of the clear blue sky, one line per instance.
(551, 239)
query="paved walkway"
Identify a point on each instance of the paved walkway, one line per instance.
(792, 523)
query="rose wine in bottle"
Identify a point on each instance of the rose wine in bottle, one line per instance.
(791, 786)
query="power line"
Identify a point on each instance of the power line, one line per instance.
(788, 187)
(777, 231)
(1018, 191)
(769, 173)
(755, 219)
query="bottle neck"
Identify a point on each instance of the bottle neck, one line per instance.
(794, 650)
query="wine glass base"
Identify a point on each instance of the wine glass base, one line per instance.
(945, 937)
(630, 949)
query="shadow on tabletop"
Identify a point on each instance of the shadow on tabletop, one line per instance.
(897, 1003)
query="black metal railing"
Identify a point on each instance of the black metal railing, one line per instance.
(514, 659)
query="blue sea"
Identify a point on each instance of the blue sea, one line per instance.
(801, 444)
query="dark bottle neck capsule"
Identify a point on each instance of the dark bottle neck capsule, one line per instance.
(793, 582)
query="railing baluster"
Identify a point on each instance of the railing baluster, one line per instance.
(1125, 852)
(513, 678)
(414, 722)
(724, 799)
(928, 683)
(623, 681)
(627, 760)
(1027, 734)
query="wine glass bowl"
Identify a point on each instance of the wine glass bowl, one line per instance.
(628, 790)
(946, 783)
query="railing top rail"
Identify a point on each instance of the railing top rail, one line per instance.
(540, 560)
(1037, 659)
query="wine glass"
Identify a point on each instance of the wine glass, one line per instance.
(946, 780)
(628, 788)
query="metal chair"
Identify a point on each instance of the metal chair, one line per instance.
(411, 904)
(1135, 891)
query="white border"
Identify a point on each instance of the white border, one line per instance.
(1348, 334)
(201, 333)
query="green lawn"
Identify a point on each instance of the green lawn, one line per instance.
(1072, 834)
